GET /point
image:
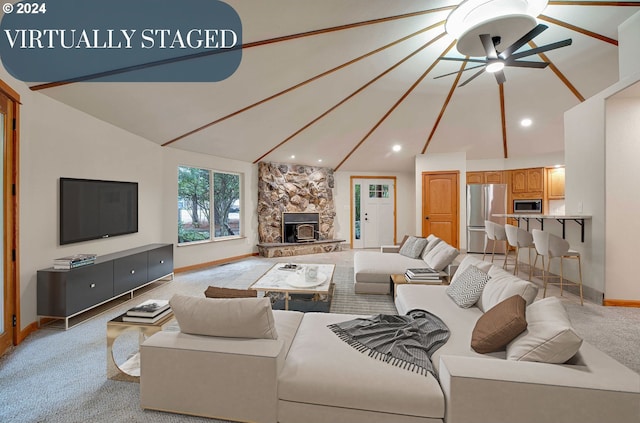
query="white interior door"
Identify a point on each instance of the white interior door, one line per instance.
(374, 212)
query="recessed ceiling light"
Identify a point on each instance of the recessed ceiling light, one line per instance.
(293, 156)
(495, 67)
(526, 122)
(319, 160)
(397, 148)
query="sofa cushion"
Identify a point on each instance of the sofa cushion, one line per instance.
(441, 256)
(504, 285)
(324, 370)
(375, 267)
(233, 318)
(549, 337)
(413, 247)
(500, 325)
(432, 241)
(468, 261)
(466, 288)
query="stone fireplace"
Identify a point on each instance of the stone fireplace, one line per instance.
(300, 227)
(296, 210)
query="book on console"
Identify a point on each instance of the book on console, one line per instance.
(422, 271)
(434, 279)
(149, 308)
(75, 258)
(147, 320)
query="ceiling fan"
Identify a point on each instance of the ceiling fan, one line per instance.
(495, 62)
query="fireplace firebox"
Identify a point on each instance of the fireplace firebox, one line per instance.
(300, 227)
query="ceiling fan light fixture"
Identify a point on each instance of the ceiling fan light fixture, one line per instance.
(495, 66)
(472, 13)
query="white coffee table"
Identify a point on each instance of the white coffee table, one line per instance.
(295, 281)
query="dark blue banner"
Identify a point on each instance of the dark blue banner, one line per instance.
(120, 40)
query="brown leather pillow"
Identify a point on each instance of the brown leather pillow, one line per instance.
(500, 325)
(217, 292)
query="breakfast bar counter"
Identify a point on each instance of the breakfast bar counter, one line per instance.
(562, 218)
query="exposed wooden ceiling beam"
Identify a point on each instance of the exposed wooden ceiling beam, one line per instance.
(347, 98)
(578, 29)
(243, 47)
(397, 103)
(558, 73)
(503, 116)
(301, 84)
(444, 106)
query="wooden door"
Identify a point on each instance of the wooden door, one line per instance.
(440, 206)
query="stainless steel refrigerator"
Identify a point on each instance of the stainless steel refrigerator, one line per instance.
(484, 200)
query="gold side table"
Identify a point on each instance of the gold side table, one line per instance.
(130, 370)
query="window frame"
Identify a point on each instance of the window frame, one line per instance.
(212, 231)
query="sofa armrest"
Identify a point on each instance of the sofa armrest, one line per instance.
(389, 248)
(504, 391)
(227, 378)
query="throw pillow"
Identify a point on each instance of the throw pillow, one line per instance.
(229, 317)
(549, 337)
(468, 287)
(413, 247)
(504, 285)
(441, 256)
(469, 261)
(432, 241)
(500, 325)
(218, 292)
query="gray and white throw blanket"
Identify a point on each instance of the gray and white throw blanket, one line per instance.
(404, 341)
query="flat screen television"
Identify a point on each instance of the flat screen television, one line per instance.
(93, 209)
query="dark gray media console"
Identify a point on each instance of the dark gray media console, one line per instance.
(63, 294)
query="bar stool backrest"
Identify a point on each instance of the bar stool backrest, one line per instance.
(549, 245)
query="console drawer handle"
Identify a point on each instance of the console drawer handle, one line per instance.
(133, 271)
(161, 261)
(93, 285)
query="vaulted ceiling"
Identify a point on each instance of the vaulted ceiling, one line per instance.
(337, 83)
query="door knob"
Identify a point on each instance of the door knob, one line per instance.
(426, 218)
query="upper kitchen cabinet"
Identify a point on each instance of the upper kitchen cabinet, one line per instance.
(487, 177)
(555, 183)
(527, 181)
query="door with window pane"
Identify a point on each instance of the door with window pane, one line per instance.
(373, 210)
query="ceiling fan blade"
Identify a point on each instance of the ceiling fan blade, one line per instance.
(542, 49)
(475, 75)
(500, 77)
(453, 73)
(522, 41)
(460, 59)
(526, 64)
(489, 48)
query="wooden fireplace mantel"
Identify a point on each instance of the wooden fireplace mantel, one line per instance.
(287, 249)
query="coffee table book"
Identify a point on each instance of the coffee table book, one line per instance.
(149, 308)
(146, 320)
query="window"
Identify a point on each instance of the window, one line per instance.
(196, 188)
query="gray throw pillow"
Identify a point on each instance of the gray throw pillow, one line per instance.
(467, 288)
(413, 247)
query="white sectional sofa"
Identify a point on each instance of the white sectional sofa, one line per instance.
(372, 269)
(307, 374)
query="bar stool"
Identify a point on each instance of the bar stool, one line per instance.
(495, 233)
(519, 238)
(552, 246)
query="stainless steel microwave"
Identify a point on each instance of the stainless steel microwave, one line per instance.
(527, 206)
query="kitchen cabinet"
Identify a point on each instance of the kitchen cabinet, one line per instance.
(527, 181)
(555, 183)
(486, 177)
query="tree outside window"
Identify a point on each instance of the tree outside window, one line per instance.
(194, 205)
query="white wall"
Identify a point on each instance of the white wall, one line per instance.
(628, 42)
(197, 253)
(622, 204)
(405, 187)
